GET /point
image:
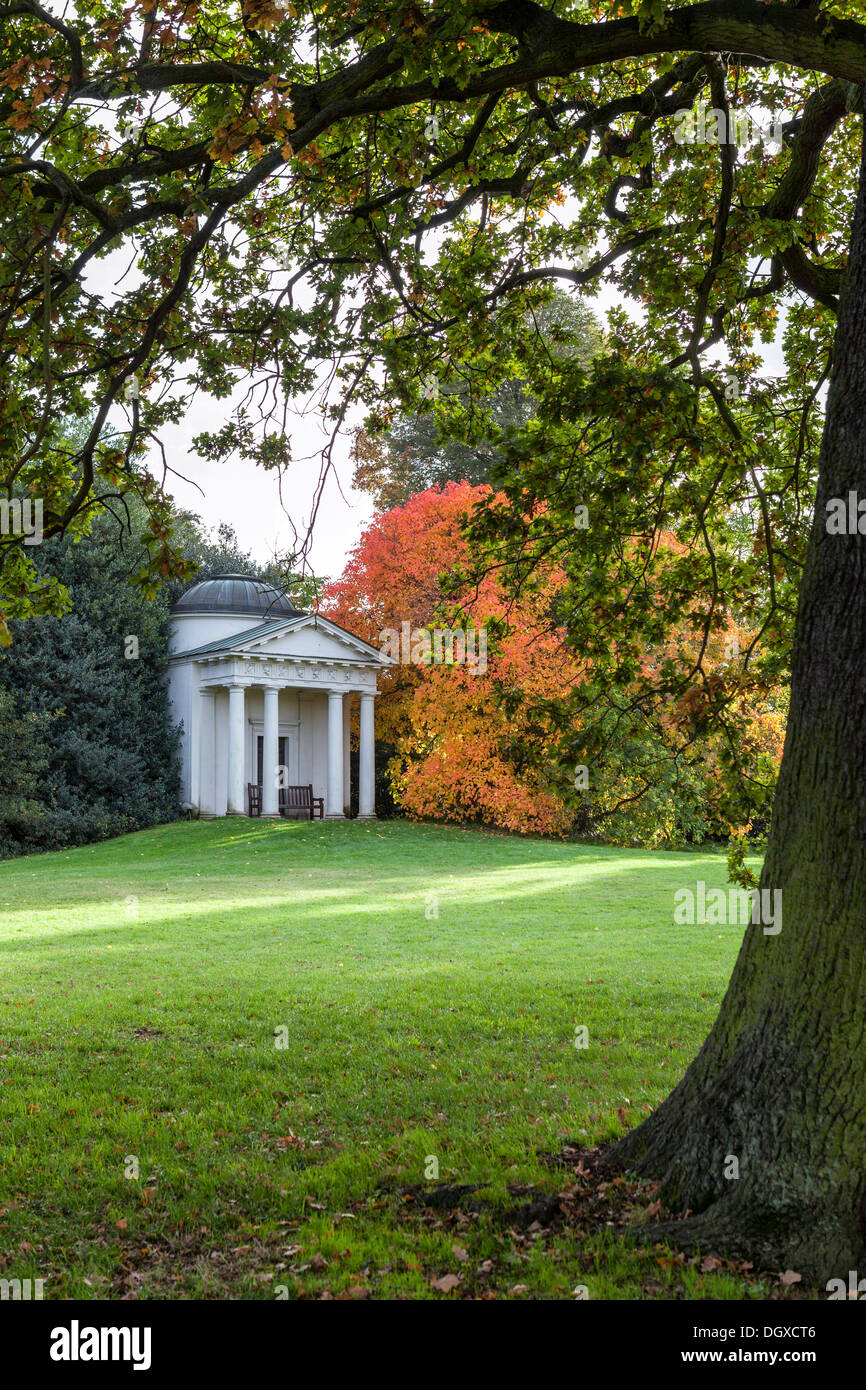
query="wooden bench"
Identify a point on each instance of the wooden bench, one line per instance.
(302, 799)
(290, 799)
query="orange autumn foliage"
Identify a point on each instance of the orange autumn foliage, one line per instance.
(447, 722)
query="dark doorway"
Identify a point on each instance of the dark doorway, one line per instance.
(260, 754)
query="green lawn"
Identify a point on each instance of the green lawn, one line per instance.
(145, 985)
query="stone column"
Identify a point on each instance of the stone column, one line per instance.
(271, 752)
(192, 742)
(347, 753)
(206, 798)
(237, 792)
(334, 797)
(367, 760)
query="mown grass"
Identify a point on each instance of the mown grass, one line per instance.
(279, 1026)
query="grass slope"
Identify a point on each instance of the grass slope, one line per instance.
(279, 1026)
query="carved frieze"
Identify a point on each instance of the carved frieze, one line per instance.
(288, 673)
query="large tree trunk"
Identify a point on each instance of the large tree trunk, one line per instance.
(781, 1080)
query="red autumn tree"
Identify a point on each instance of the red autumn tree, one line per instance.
(449, 722)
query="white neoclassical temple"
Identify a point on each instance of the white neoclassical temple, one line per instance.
(263, 693)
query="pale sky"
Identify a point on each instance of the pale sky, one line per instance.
(249, 498)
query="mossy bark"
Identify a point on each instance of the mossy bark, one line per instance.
(781, 1081)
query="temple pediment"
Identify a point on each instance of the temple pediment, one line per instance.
(307, 638)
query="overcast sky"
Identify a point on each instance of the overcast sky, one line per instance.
(248, 497)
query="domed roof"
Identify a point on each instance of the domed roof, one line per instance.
(235, 593)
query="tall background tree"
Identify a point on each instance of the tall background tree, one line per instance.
(427, 450)
(24, 762)
(355, 202)
(90, 686)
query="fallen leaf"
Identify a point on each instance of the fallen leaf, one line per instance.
(446, 1283)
